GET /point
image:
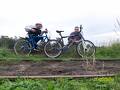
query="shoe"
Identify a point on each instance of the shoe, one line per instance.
(39, 43)
(35, 49)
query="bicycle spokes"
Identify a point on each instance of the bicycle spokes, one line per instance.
(22, 47)
(53, 49)
(86, 48)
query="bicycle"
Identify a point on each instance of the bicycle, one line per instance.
(54, 48)
(24, 46)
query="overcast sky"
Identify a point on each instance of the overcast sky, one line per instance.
(98, 17)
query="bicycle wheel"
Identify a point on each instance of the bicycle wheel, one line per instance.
(22, 47)
(52, 49)
(86, 48)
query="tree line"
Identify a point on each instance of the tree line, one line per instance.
(7, 42)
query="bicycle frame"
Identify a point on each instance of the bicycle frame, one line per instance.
(62, 37)
(45, 37)
(31, 39)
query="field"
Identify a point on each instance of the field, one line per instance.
(9, 60)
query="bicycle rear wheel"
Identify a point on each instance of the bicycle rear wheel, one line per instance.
(52, 49)
(22, 47)
(86, 48)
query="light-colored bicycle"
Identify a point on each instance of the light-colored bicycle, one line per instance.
(54, 48)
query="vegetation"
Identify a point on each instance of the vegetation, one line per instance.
(7, 52)
(112, 51)
(102, 83)
(7, 42)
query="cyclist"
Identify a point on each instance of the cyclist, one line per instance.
(75, 36)
(34, 32)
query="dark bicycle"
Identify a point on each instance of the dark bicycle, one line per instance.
(24, 46)
(54, 48)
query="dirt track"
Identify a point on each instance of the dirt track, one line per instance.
(47, 68)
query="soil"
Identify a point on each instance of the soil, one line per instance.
(48, 68)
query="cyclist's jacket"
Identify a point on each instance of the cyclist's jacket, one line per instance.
(37, 31)
(75, 35)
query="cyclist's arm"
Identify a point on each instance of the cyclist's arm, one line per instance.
(45, 31)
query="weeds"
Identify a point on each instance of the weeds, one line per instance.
(103, 83)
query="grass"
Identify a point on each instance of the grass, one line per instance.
(9, 55)
(112, 51)
(101, 83)
(6, 54)
(103, 52)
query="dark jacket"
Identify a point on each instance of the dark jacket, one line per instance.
(36, 33)
(75, 35)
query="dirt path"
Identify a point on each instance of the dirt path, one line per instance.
(47, 68)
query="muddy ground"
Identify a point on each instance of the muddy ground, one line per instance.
(47, 68)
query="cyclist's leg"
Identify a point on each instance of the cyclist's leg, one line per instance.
(32, 41)
(39, 40)
(36, 39)
(70, 40)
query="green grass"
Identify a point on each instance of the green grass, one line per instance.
(102, 83)
(103, 52)
(6, 54)
(9, 55)
(112, 51)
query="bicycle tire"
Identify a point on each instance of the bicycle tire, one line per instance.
(22, 47)
(52, 49)
(90, 51)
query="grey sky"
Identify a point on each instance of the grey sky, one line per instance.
(96, 16)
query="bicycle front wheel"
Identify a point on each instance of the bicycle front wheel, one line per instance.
(52, 49)
(22, 47)
(86, 48)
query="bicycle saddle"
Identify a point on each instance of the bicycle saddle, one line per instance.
(59, 31)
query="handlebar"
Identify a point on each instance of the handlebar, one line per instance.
(81, 27)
